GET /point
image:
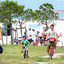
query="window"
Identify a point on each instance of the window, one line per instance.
(4, 30)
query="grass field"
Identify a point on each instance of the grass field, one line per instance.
(12, 55)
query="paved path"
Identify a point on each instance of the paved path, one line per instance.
(40, 63)
(54, 56)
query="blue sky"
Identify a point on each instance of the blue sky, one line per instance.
(34, 4)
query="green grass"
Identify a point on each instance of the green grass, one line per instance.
(12, 55)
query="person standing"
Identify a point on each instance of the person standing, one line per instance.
(33, 35)
(29, 34)
(38, 37)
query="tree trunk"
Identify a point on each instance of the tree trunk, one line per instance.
(46, 25)
(21, 28)
(11, 35)
(25, 31)
(11, 31)
(2, 37)
(6, 37)
(2, 40)
(15, 33)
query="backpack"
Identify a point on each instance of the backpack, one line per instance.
(51, 40)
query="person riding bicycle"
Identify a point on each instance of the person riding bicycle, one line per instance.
(51, 34)
(25, 43)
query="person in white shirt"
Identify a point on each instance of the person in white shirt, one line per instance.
(29, 34)
(33, 35)
(51, 34)
(37, 37)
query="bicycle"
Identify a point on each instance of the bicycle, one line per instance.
(14, 41)
(25, 51)
(51, 50)
(51, 47)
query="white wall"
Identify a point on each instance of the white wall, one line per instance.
(59, 27)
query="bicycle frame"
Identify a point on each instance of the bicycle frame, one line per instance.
(25, 52)
(51, 49)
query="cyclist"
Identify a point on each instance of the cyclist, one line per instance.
(51, 34)
(25, 42)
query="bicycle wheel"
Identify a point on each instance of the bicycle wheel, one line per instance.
(51, 56)
(24, 53)
(60, 43)
(51, 52)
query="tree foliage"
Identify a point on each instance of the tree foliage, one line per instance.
(9, 10)
(45, 12)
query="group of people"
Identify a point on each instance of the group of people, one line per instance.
(34, 38)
